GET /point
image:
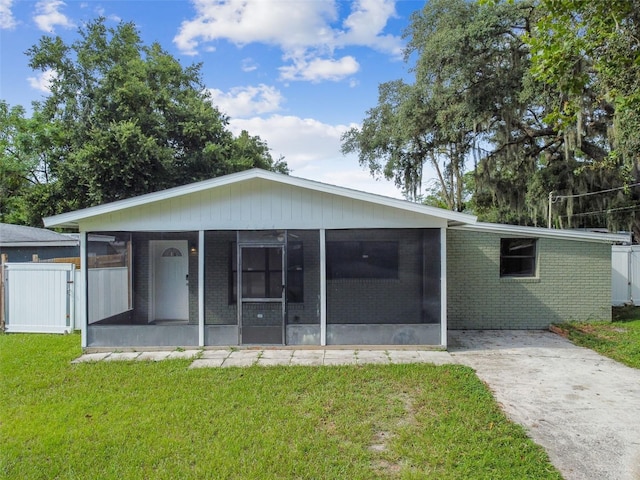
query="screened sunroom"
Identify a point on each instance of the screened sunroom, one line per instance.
(258, 258)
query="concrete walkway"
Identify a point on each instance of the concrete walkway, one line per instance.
(274, 356)
(584, 409)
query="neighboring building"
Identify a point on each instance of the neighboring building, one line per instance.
(263, 258)
(21, 243)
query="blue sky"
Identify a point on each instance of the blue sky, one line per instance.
(297, 73)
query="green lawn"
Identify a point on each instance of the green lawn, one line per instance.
(139, 420)
(619, 340)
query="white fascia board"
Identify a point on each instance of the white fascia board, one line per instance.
(70, 220)
(582, 236)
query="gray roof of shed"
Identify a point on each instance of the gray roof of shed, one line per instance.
(19, 235)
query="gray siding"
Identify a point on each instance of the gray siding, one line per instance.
(573, 283)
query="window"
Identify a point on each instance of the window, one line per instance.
(262, 272)
(362, 259)
(517, 257)
(172, 252)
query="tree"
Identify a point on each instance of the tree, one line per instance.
(22, 170)
(587, 53)
(478, 98)
(579, 45)
(129, 119)
(14, 164)
(468, 69)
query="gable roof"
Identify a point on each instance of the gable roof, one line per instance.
(71, 219)
(455, 220)
(21, 236)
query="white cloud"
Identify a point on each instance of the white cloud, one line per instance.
(43, 81)
(319, 69)
(247, 101)
(307, 32)
(300, 140)
(249, 65)
(287, 24)
(365, 24)
(312, 150)
(7, 20)
(49, 15)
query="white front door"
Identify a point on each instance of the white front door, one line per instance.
(170, 279)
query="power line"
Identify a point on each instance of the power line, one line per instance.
(559, 197)
(610, 210)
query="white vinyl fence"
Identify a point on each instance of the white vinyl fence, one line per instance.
(39, 297)
(108, 291)
(49, 297)
(625, 275)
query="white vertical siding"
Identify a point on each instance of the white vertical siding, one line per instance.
(259, 204)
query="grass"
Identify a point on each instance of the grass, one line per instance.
(161, 420)
(619, 340)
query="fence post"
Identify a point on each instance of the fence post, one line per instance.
(3, 260)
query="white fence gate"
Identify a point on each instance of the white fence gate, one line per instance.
(39, 297)
(625, 275)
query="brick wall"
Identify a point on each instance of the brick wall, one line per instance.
(141, 284)
(219, 311)
(573, 283)
(308, 312)
(410, 298)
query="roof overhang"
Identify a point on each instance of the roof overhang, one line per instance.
(72, 219)
(579, 235)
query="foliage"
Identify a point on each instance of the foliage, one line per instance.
(619, 340)
(580, 45)
(21, 169)
(164, 420)
(586, 53)
(122, 119)
(526, 100)
(466, 62)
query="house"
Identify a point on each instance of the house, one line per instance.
(21, 243)
(258, 257)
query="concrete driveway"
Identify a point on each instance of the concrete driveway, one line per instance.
(583, 408)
